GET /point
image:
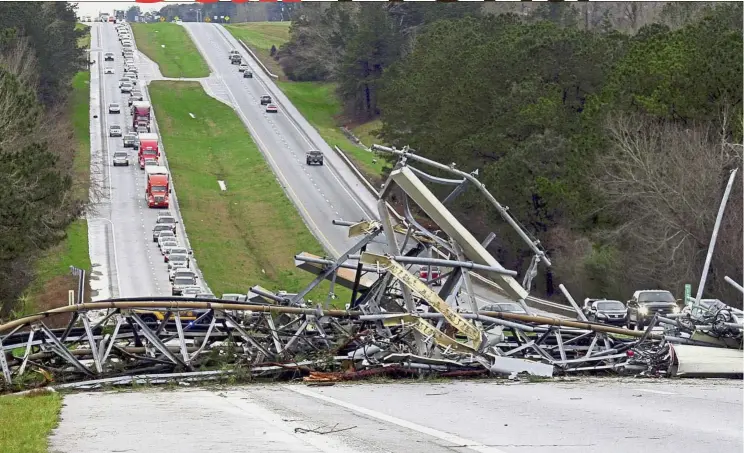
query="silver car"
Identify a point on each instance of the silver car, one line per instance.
(178, 260)
(179, 283)
(190, 291)
(169, 220)
(164, 236)
(114, 108)
(114, 131)
(121, 158)
(169, 244)
(157, 229)
(176, 250)
(129, 139)
(126, 87)
(181, 272)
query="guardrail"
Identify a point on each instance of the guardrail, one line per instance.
(258, 60)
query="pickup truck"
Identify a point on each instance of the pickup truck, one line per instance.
(646, 303)
(314, 157)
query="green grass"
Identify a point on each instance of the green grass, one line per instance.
(84, 41)
(53, 265)
(26, 421)
(260, 36)
(316, 101)
(248, 234)
(179, 57)
(80, 103)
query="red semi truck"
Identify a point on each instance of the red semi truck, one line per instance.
(147, 144)
(158, 186)
(141, 113)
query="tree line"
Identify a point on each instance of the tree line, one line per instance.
(608, 130)
(39, 55)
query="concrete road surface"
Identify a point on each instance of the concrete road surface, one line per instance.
(126, 260)
(323, 193)
(320, 191)
(603, 416)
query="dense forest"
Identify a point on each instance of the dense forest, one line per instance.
(39, 55)
(608, 129)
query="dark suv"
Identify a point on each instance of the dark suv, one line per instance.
(265, 99)
(646, 303)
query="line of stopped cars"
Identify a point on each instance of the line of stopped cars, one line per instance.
(140, 137)
(312, 157)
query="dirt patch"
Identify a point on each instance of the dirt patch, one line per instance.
(55, 294)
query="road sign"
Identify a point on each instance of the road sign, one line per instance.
(176, 19)
(688, 293)
(80, 274)
(227, 18)
(162, 19)
(207, 19)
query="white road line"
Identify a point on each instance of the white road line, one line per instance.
(658, 392)
(461, 442)
(325, 444)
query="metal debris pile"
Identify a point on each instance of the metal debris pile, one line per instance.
(395, 324)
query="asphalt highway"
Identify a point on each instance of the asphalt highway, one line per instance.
(120, 226)
(581, 415)
(321, 193)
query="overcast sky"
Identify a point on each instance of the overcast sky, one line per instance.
(94, 8)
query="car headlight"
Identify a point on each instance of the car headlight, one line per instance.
(675, 310)
(643, 310)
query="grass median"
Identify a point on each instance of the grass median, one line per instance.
(171, 47)
(248, 234)
(317, 101)
(26, 421)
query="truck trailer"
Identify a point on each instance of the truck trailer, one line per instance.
(158, 186)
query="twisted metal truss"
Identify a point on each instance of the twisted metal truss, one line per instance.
(395, 323)
(272, 340)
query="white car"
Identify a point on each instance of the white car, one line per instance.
(167, 234)
(180, 271)
(177, 249)
(114, 108)
(108, 70)
(176, 260)
(169, 244)
(242, 67)
(126, 87)
(121, 158)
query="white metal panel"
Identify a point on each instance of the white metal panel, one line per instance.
(707, 361)
(473, 250)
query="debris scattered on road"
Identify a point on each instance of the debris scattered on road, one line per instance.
(396, 324)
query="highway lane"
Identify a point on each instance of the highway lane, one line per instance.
(321, 193)
(608, 415)
(317, 190)
(137, 262)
